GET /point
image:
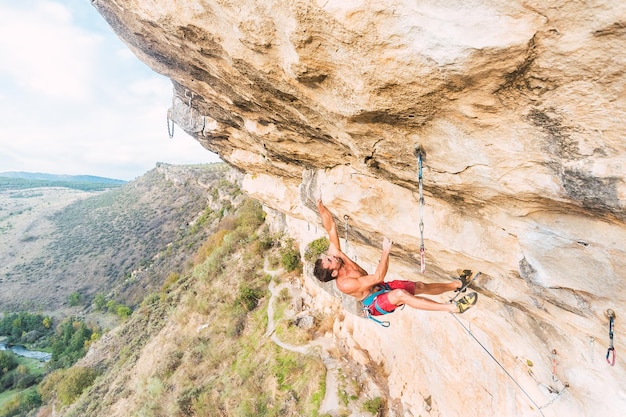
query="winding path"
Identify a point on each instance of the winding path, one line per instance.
(330, 403)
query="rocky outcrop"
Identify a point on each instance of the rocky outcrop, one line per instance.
(519, 110)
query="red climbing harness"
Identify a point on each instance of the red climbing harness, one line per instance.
(370, 301)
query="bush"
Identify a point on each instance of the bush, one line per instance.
(250, 216)
(100, 302)
(374, 405)
(187, 398)
(21, 403)
(289, 255)
(73, 382)
(316, 248)
(119, 309)
(8, 361)
(124, 312)
(248, 297)
(266, 241)
(74, 299)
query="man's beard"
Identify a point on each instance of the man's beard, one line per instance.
(339, 261)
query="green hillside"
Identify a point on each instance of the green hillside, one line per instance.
(120, 242)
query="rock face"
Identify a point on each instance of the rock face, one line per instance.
(519, 109)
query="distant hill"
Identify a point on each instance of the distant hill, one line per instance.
(125, 240)
(23, 180)
(54, 177)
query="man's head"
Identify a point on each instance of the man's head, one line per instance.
(327, 267)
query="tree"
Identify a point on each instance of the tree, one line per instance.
(8, 361)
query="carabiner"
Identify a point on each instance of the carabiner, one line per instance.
(610, 356)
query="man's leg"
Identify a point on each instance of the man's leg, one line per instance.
(436, 288)
(399, 297)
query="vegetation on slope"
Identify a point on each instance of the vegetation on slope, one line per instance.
(19, 376)
(127, 240)
(197, 347)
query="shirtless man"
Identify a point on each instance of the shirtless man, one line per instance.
(382, 297)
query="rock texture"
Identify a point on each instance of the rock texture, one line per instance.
(519, 108)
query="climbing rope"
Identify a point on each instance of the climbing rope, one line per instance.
(503, 368)
(418, 152)
(610, 353)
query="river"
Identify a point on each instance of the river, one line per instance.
(22, 351)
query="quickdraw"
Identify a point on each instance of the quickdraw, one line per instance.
(418, 153)
(610, 353)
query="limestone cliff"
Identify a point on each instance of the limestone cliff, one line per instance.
(519, 108)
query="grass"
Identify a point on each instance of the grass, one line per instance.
(35, 366)
(286, 330)
(6, 396)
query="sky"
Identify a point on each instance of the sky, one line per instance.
(74, 100)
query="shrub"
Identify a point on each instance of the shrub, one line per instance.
(250, 216)
(187, 398)
(289, 256)
(248, 297)
(73, 382)
(8, 361)
(99, 302)
(266, 241)
(123, 312)
(374, 405)
(315, 248)
(21, 403)
(74, 299)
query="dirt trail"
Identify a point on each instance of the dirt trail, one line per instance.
(320, 346)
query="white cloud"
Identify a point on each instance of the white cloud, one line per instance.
(45, 53)
(75, 100)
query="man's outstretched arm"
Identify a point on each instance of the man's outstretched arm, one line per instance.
(381, 270)
(329, 224)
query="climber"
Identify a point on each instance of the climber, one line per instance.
(382, 297)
